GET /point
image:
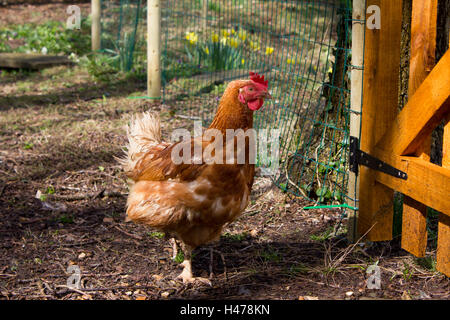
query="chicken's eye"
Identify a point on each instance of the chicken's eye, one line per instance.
(250, 89)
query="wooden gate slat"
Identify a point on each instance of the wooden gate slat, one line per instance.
(423, 112)
(423, 47)
(443, 245)
(414, 227)
(427, 182)
(380, 98)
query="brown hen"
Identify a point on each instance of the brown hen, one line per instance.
(193, 201)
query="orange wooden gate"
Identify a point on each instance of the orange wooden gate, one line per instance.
(403, 139)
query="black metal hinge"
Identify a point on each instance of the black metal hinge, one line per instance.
(359, 157)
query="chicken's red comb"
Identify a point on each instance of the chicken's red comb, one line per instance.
(259, 79)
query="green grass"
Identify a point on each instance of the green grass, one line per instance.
(214, 7)
(238, 237)
(174, 67)
(102, 67)
(327, 234)
(180, 257)
(407, 272)
(297, 269)
(155, 234)
(65, 218)
(28, 145)
(270, 255)
(427, 262)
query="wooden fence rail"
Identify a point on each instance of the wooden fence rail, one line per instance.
(403, 139)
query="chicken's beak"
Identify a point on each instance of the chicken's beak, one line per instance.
(266, 95)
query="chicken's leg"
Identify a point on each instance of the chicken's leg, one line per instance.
(173, 241)
(211, 262)
(186, 274)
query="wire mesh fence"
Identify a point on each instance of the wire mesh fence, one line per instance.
(302, 47)
(123, 33)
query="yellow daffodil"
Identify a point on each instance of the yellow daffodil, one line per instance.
(254, 46)
(223, 40)
(242, 35)
(225, 33)
(234, 42)
(215, 37)
(206, 50)
(192, 37)
(290, 61)
(243, 61)
(269, 50)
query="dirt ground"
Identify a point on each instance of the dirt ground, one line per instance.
(60, 132)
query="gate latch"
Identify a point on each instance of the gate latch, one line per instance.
(359, 157)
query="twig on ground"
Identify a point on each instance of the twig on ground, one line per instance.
(129, 234)
(69, 289)
(294, 184)
(92, 195)
(69, 188)
(85, 290)
(187, 117)
(73, 244)
(334, 263)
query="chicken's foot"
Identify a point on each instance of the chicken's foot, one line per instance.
(186, 274)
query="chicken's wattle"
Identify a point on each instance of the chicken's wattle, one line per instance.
(255, 104)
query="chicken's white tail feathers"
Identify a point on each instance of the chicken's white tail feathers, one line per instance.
(144, 132)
